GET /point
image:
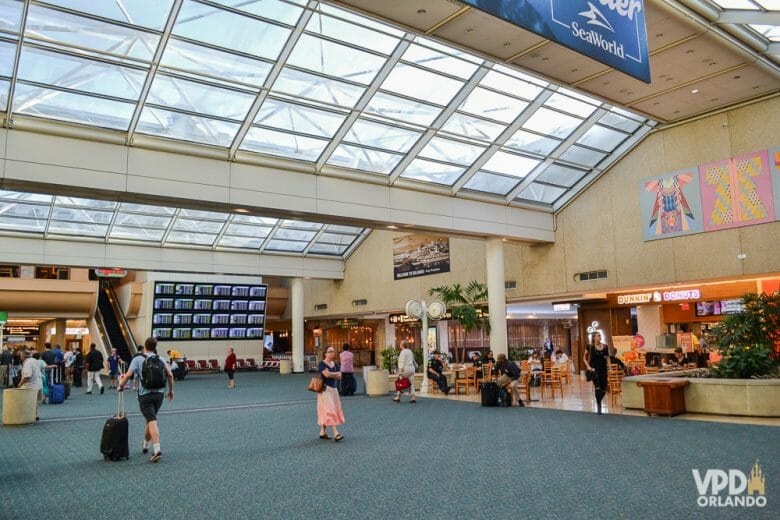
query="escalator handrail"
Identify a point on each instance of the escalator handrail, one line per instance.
(123, 326)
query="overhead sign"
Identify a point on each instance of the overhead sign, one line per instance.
(3, 317)
(14, 330)
(659, 297)
(609, 31)
(110, 273)
(561, 307)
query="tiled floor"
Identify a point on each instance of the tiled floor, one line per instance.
(578, 397)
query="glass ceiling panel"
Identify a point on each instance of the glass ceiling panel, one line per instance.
(175, 125)
(364, 159)
(28, 197)
(299, 224)
(582, 156)
(137, 233)
(431, 171)
(378, 135)
(294, 234)
(621, 123)
(570, 105)
(421, 84)
(402, 109)
(11, 15)
(77, 228)
(602, 138)
(78, 31)
(144, 208)
(252, 219)
(541, 193)
(333, 238)
(146, 13)
(358, 19)
(510, 85)
(345, 229)
(198, 97)
(533, 143)
(328, 249)
(81, 215)
(335, 60)
(270, 9)
(7, 57)
(183, 237)
(214, 63)
(87, 203)
(309, 86)
(299, 118)
(75, 108)
(546, 121)
(248, 231)
(242, 242)
(4, 86)
(510, 164)
(22, 224)
(561, 175)
(14, 209)
(485, 103)
(451, 151)
(351, 33)
(209, 215)
(81, 74)
(286, 245)
(473, 127)
(145, 221)
(490, 183)
(431, 59)
(282, 144)
(230, 30)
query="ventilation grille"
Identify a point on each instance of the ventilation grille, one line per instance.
(356, 303)
(590, 275)
(511, 284)
(320, 306)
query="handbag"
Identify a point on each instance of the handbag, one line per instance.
(316, 385)
(590, 375)
(402, 384)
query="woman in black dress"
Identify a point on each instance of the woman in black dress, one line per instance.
(596, 359)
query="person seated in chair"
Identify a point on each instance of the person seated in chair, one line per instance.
(679, 359)
(435, 372)
(504, 367)
(535, 362)
(616, 360)
(476, 362)
(488, 358)
(559, 357)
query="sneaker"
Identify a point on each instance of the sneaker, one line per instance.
(102, 389)
(88, 393)
(144, 448)
(157, 456)
(520, 404)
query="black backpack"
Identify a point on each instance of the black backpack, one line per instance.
(153, 373)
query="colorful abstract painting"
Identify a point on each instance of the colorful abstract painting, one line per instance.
(774, 167)
(670, 204)
(736, 192)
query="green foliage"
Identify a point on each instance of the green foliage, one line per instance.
(389, 359)
(465, 303)
(515, 354)
(418, 358)
(747, 339)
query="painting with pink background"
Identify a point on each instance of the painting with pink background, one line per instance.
(737, 192)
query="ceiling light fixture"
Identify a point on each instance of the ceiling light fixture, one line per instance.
(241, 210)
(695, 91)
(391, 226)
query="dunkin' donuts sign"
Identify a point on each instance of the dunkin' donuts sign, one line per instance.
(659, 297)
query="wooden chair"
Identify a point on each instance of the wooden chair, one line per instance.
(565, 369)
(552, 379)
(468, 380)
(614, 380)
(652, 370)
(487, 373)
(525, 386)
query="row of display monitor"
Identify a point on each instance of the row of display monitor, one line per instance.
(200, 311)
(720, 307)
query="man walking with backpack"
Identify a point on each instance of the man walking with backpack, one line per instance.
(154, 374)
(94, 366)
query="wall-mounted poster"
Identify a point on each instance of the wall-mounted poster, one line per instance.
(774, 166)
(670, 205)
(736, 192)
(417, 255)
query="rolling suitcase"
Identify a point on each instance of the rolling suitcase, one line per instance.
(489, 394)
(114, 442)
(56, 390)
(504, 398)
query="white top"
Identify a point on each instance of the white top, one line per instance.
(406, 361)
(563, 358)
(68, 357)
(31, 368)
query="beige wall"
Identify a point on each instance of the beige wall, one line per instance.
(600, 229)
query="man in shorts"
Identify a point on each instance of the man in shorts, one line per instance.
(149, 399)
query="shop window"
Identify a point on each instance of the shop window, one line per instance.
(9, 271)
(52, 273)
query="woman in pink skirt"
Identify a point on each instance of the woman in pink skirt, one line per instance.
(329, 411)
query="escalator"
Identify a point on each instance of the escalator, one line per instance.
(111, 322)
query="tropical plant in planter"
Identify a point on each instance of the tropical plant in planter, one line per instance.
(748, 340)
(389, 357)
(466, 304)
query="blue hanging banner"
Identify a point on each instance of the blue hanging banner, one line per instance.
(609, 31)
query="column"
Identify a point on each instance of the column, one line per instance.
(496, 295)
(650, 323)
(296, 300)
(59, 333)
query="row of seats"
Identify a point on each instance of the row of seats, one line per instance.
(212, 365)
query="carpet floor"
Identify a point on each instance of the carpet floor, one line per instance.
(253, 452)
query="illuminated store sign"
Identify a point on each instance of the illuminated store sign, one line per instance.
(659, 297)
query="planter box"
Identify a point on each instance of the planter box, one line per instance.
(749, 397)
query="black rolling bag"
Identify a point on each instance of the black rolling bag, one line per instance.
(489, 394)
(114, 443)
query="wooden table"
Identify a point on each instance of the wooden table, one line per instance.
(664, 396)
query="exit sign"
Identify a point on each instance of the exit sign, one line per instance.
(110, 273)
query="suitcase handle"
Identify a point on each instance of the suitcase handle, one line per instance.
(120, 412)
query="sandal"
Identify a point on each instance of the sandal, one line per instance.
(412, 400)
(324, 436)
(338, 437)
(397, 399)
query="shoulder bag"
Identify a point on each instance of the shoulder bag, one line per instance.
(402, 384)
(317, 384)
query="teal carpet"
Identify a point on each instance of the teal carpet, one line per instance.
(253, 452)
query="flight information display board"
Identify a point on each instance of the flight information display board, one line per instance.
(191, 311)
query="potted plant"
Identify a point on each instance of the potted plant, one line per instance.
(466, 304)
(389, 357)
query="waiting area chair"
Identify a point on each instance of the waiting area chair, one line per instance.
(467, 380)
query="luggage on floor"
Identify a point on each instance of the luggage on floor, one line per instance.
(504, 397)
(114, 442)
(67, 389)
(56, 390)
(489, 394)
